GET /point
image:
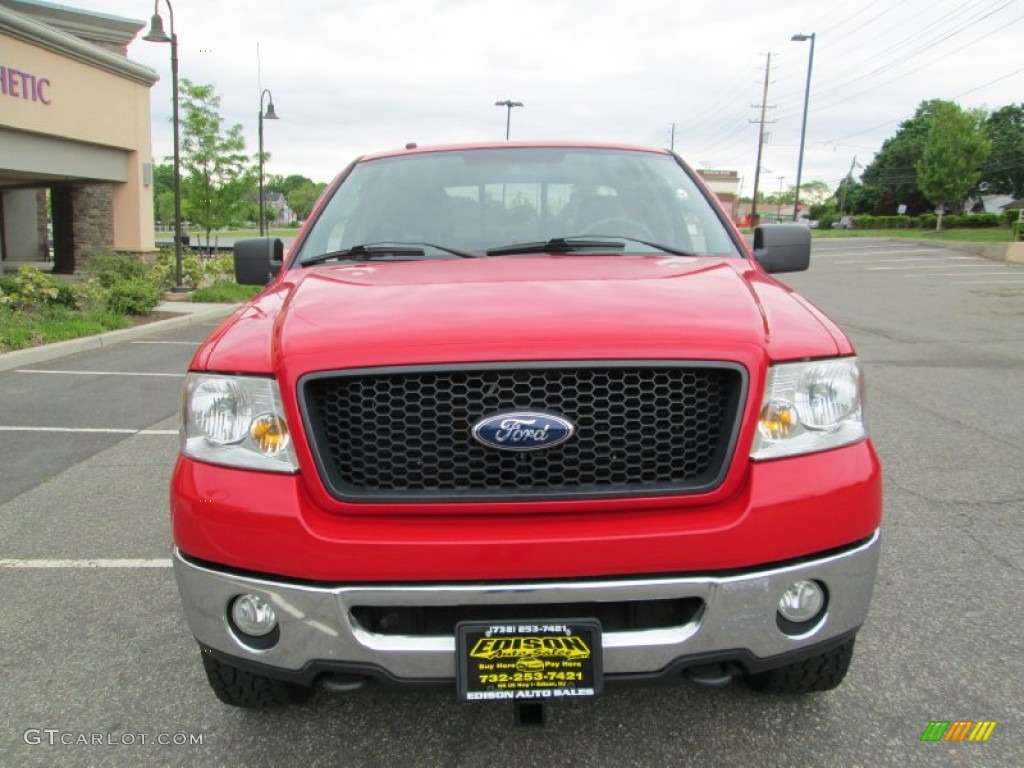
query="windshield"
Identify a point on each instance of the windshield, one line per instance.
(479, 200)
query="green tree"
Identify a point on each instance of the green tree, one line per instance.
(954, 151)
(163, 193)
(217, 172)
(891, 178)
(286, 184)
(1004, 170)
(814, 192)
(302, 198)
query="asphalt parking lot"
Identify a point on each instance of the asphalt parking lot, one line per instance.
(94, 645)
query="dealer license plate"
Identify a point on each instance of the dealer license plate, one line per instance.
(523, 660)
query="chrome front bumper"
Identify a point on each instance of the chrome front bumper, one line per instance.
(317, 628)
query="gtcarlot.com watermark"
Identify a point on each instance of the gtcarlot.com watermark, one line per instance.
(57, 737)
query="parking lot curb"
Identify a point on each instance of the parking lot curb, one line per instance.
(1009, 252)
(22, 357)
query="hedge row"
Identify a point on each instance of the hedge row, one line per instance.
(928, 220)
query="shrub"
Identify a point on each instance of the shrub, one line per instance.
(90, 296)
(928, 220)
(111, 268)
(1011, 217)
(133, 297)
(219, 269)
(982, 220)
(66, 295)
(163, 271)
(826, 220)
(29, 289)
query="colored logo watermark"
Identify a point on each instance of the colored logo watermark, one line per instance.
(958, 730)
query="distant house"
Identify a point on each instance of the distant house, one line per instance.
(285, 215)
(276, 202)
(995, 203)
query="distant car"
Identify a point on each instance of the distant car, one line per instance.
(846, 222)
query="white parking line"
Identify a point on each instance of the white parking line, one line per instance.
(161, 562)
(99, 373)
(956, 274)
(92, 430)
(932, 265)
(991, 282)
(827, 243)
(912, 258)
(890, 250)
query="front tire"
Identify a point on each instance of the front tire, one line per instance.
(241, 688)
(817, 673)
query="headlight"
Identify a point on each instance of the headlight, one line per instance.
(810, 407)
(237, 421)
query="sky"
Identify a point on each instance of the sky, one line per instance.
(350, 77)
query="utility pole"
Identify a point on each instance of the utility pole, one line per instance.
(672, 145)
(760, 138)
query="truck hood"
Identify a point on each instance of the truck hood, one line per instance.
(552, 307)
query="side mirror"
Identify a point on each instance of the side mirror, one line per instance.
(258, 260)
(783, 247)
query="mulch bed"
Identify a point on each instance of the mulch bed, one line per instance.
(152, 317)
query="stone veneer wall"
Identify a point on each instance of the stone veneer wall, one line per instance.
(93, 226)
(41, 220)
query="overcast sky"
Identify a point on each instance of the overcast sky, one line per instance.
(356, 76)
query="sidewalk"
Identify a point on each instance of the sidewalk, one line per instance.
(187, 313)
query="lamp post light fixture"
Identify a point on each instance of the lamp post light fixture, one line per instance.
(156, 34)
(803, 129)
(270, 115)
(508, 103)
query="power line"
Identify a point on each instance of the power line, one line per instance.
(823, 98)
(907, 117)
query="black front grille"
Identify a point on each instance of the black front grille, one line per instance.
(624, 616)
(405, 434)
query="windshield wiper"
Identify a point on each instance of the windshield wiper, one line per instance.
(582, 243)
(660, 247)
(396, 251)
(559, 245)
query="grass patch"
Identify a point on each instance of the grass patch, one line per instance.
(226, 293)
(19, 330)
(993, 235)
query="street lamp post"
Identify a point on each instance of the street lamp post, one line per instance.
(508, 103)
(156, 34)
(270, 115)
(803, 129)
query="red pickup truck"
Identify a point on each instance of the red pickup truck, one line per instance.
(523, 420)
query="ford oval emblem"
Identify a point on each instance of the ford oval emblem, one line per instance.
(523, 430)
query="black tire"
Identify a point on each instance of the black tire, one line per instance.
(241, 688)
(818, 673)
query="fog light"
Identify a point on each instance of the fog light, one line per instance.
(802, 601)
(253, 615)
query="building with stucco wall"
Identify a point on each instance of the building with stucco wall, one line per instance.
(75, 148)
